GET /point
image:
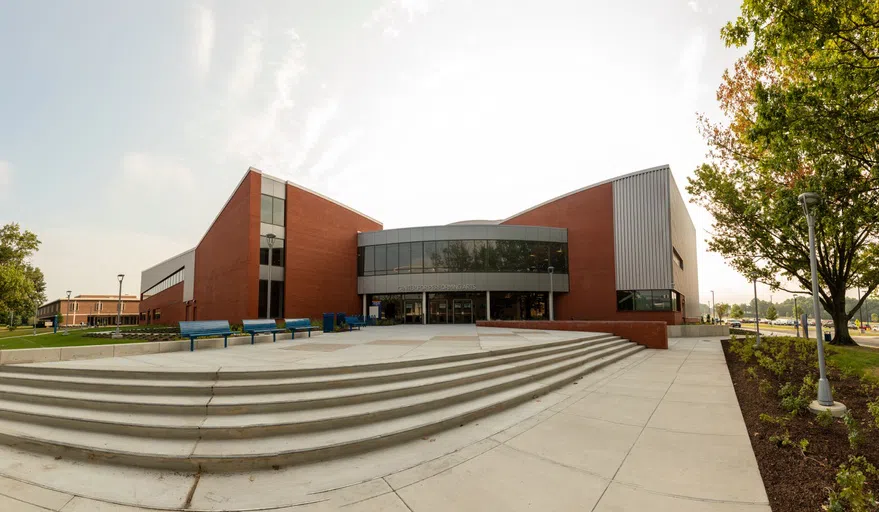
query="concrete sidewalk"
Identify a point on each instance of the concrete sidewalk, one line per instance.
(663, 434)
(659, 431)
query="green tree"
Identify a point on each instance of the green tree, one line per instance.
(801, 112)
(22, 285)
(736, 311)
(874, 317)
(771, 313)
(721, 310)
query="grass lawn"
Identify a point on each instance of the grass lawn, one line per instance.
(855, 360)
(21, 331)
(74, 338)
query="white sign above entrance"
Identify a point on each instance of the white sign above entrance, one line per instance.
(437, 288)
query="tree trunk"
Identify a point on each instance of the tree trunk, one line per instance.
(841, 335)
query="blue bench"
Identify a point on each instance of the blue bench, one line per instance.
(298, 324)
(254, 327)
(354, 321)
(200, 328)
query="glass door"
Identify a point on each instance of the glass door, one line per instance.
(463, 311)
(412, 312)
(439, 311)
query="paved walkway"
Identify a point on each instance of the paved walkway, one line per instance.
(658, 431)
(366, 345)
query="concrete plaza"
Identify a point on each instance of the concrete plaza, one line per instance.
(659, 430)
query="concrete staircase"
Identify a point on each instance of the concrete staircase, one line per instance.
(250, 419)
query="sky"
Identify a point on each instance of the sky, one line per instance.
(127, 125)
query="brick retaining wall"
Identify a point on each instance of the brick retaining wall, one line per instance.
(647, 333)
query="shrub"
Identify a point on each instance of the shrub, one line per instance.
(774, 420)
(765, 387)
(752, 372)
(852, 494)
(855, 438)
(804, 445)
(11, 327)
(796, 401)
(824, 419)
(873, 408)
(782, 440)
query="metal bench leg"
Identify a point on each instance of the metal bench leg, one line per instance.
(251, 338)
(192, 344)
(225, 341)
(274, 338)
(309, 333)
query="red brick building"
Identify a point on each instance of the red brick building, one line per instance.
(624, 249)
(94, 310)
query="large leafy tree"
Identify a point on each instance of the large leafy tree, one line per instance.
(737, 311)
(22, 286)
(721, 310)
(801, 114)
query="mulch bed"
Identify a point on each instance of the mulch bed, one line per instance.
(796, 481)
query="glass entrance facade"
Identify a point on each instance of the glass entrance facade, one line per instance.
(458, 307)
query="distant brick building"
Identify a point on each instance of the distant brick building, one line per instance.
(94, 310)
(623, 249)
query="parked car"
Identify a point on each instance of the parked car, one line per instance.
(735, 324)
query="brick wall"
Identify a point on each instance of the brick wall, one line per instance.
(169, 302)
(321, 260)
(650, 334)
(588, 216)
(227, 259)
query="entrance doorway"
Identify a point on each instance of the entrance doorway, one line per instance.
(439, 311)
(412, 313)
(462, 311)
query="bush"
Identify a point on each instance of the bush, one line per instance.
(824, 419)
(796, 401)
(855, 438)
(11, 327)
(765, 387)
(873, 408)
(853, 495)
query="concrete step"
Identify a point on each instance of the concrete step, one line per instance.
(253, 425)
(279, 381)
(329, 395)
(348, 429)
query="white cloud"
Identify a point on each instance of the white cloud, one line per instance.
(391, 13)
(204, 43)
(5, 176)
(690, 64)
(145, 170)
(694, 5)
(247, 66)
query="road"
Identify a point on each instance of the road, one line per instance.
(864, 341)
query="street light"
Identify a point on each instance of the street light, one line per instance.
(825, 398)
(270, 238)
(796, 320)
(118, 333)
(551, 269)
(713, 308)
(67, 320)
(756, 314)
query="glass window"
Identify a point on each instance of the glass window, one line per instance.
(479, 256)
(417, 257)
(491, 262)
(277, 299)
(538, 255)
(625, 301)
(381, 252)
(369, 260)
(661, 300)
(643, 300)
(393, 253)
(278, 256)
(559, 257)
(405, 264)
(441, 256)
(263, 255)
(277, 211)
(429, 256)
(265, 213)
(360, 251)
(459, 255)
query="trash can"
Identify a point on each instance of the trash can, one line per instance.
(329, 322)
(827, 337)
(340, 318)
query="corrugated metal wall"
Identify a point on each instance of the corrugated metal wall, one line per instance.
(642, 231)
(683, 237)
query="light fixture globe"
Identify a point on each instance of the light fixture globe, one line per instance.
(809, 198)
(120, 277)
